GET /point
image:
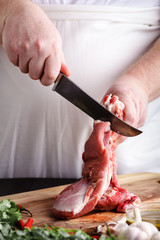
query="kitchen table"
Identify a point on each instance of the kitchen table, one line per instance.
(40, 202)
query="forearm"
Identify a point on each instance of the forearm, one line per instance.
(139, 85)
(145, 72)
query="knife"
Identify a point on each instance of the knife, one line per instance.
(69, 90)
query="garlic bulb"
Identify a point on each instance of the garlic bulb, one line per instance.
(156, 236)
(136, 231)
(146, 227)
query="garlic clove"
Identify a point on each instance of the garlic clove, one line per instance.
(133, 233)
(120, 227)
(147, 227)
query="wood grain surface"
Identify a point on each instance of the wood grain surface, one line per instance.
(40, 202)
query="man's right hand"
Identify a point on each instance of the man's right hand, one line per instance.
(32, 42)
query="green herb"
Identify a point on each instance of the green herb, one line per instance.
(10, 214)
(57, 233)
(5, 230)
(38, 233)
(111, 237)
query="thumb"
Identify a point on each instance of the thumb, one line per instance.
(64, 67)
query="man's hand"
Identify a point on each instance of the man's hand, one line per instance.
(132, 94)
(139, 85)
(135, 104)
(32, 42)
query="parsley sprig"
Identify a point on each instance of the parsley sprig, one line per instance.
(9, 212)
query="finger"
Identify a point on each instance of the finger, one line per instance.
(24, 64)
(36, 67)
(120, 139)
(51, 70)
(31, 59)
(13, 57)
(11, 50)
(64, 67)
(24, 57)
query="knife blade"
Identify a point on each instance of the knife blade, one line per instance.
(70, 91)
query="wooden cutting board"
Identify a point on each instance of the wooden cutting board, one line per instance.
(40, 202)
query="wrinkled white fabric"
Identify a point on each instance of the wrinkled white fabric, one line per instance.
(43, 135)
(117, 3)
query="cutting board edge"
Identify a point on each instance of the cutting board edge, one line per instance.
(58, 189)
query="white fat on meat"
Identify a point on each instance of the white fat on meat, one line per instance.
(74, 199)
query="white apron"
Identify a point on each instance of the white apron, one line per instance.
(43, 135)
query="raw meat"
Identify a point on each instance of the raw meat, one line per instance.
(81, 197)
(99, 188)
